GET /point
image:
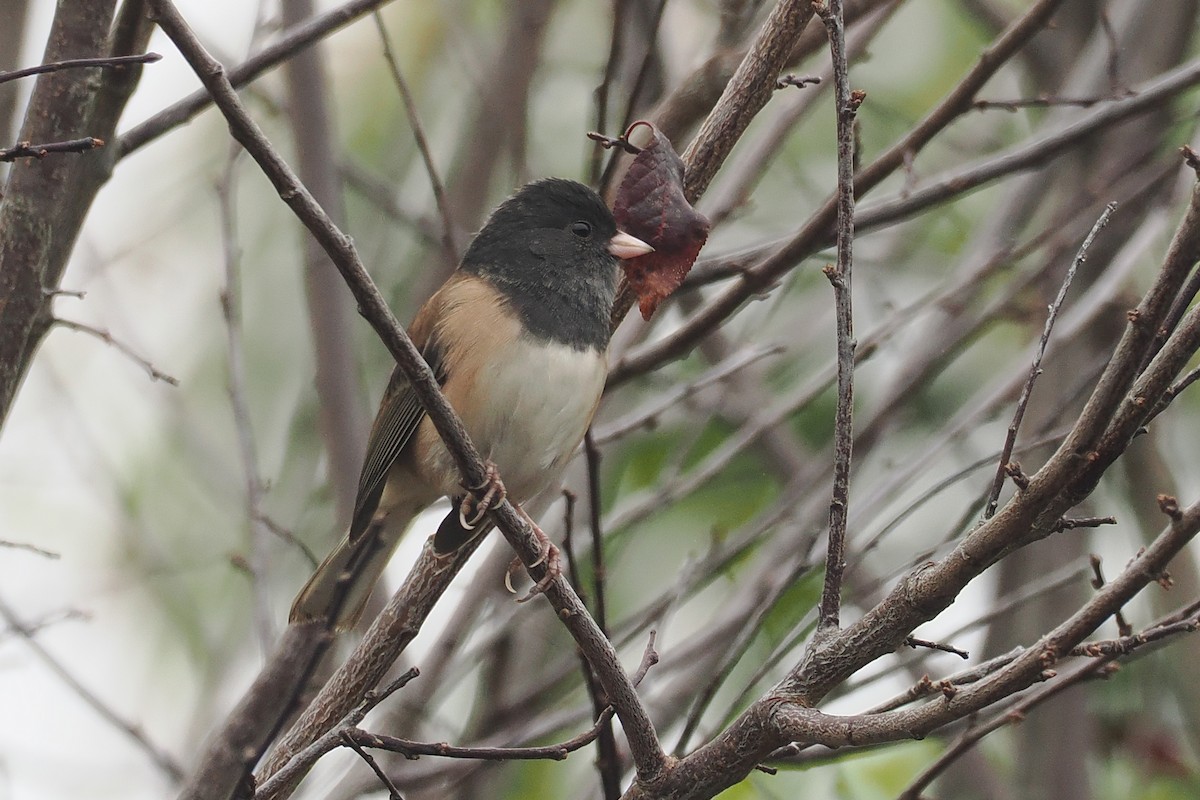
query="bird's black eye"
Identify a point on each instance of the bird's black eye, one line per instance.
(581, 229)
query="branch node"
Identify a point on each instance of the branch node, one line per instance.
(1014, 471)
(835, 278)
(1169, 505)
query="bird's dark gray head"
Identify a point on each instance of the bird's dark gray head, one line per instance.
(547, 249)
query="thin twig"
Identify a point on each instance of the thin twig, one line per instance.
(1181, 384)
(846, 103)
(673, 396)
(1123, 626)
(105, 336)
(1038, 102)
(649, 659)
(926, 686)
(1071, 523)
(290, 537)
(595, 525)
(28, 150)
(36, 626)
(608, 760)
(349, 740)
(1035, 370)
(78, 63)
(29, 548)
(1130, 642)
(413, 749)
(608, 764)
(914, 643)
(449, 249)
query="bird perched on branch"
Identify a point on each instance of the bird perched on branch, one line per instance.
(518, 339)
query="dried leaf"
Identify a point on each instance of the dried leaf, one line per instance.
(650, 205)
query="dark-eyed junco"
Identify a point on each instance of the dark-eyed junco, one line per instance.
(518, 338)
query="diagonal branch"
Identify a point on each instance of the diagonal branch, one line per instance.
(751, 86)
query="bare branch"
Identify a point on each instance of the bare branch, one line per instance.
(1102, 667)
(30, 548)
(846, 103)
(105, 336)
(350, 741)
(1034, 371)
(79, 63)
(28, 150)
(333, 738)
(747, 92)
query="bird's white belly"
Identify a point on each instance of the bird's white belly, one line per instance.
(537, 405)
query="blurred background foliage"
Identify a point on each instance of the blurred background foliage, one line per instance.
(140, 487)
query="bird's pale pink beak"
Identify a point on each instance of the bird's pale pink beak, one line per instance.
(624, 246)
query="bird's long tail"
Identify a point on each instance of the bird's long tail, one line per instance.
(339, 589)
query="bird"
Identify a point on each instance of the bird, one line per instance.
(517, 337)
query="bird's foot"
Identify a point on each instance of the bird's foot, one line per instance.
(548, 554)
(472, 511)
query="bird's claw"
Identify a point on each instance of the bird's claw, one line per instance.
(494, 495)
(548, 554)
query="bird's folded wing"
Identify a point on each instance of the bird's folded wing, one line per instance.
(399, 415)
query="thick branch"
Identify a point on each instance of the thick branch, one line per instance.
(45, 200)
(776, 719)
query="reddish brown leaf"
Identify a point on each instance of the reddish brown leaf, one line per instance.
(650, 205)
